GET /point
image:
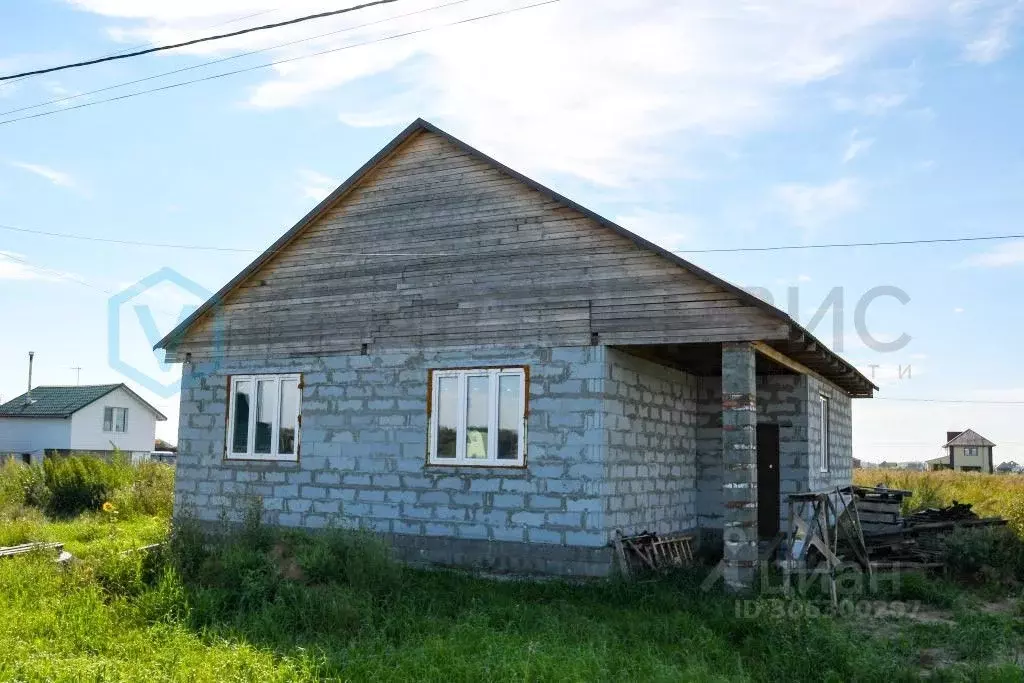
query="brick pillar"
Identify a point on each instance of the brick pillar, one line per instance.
(739, 458)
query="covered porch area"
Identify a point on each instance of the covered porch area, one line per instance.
(767, 419)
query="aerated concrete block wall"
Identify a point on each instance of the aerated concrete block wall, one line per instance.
(651, 461)
(363, 459)
(840, 436)
(790, 401)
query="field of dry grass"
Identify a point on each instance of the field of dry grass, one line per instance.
(990, 494)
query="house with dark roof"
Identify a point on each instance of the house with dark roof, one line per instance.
(965, 451)
(448, 353)
(77, 419)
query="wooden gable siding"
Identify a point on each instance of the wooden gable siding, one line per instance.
(438, 248)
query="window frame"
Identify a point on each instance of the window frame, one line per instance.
(250, 454)
(434, 375)
(113, 420)
(825, 440)
(971, 451)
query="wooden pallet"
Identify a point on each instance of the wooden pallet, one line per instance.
(652, 552)
(25, 548)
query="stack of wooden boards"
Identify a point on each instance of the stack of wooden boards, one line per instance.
(25, 548)
(879, 509)
(913, 541)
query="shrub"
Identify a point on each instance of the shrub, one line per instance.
(81, 483)
(149, 491)
(985, 554)
(246, 568)
(22, 485)
(354, 558)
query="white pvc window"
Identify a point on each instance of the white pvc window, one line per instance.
(478, 417)
(971, 451)
(826, 437)
(264, 417)
(115, 419)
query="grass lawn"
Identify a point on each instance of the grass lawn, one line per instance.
(264, 605)
(318, 611)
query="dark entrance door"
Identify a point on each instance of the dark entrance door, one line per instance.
(767, 480)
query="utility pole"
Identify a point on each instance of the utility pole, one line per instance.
(78, 374)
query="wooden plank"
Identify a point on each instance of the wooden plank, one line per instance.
(784, 360)
(486, 259)
(879, 517)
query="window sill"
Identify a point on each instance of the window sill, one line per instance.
(460, 468)
(266, 463)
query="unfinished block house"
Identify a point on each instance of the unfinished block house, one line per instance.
(452, 355)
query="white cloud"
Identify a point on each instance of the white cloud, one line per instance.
(1007, 254)
(668, 230)
(872, 104)
(856, 145)
(958, 310)
(62, 94)
(988, 25)
(542, 90)
(14, 266)
(316, 185)
(59, 178)
(812, 206)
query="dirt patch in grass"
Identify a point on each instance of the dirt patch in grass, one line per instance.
(934, 659)
(1009, 606)
(287, 565)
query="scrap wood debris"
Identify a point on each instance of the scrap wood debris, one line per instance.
(956, 512)
(915, 540)
(648, 551)
(63, 557)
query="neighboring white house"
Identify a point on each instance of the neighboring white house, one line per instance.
(92, 418)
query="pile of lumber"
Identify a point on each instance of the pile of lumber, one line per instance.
(25, 548)
(957, 512)
(879, 508)
(917, 541)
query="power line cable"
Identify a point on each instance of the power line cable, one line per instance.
(226, 59)
(17, 79)
(133, 243)
(195, 41)
(835, 245)
(277, 62)
(198, 247)
(951, 401)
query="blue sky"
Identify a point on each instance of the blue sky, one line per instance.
(698, 126)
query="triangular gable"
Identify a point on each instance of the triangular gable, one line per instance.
(969, 437)
(413, 129)
(729, 312)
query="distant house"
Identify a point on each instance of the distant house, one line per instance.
(965, 451)
(453, 355)
(1008, 467)
(78, 419)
